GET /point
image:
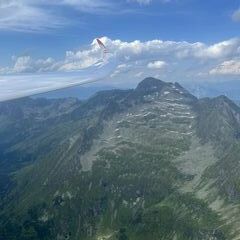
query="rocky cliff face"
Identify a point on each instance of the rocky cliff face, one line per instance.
(150, 163)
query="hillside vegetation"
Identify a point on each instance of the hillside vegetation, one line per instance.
(150, 163)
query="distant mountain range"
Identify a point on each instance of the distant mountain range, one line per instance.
(154, 162)
(229, 89)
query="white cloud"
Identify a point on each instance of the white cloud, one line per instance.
(42, 15)
(236, 15)
(25, 64)
(222, 49)
(22, 15)
(183, 59)
(172, 49)
(80, 59)
(129, 62)
(157, 65)
(231, 67)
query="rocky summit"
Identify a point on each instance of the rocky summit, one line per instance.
(150, 163)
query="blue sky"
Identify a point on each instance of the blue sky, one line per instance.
(199, 40)
(71, 26)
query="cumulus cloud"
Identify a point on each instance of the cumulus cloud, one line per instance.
(81, 59)
(223, 49)
(128, 63)
(155, 48)
(231, 67)
(175, 59)
(25, 64)
(157, 65)
(236, 15)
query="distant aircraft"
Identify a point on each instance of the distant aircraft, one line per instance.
(17, 86)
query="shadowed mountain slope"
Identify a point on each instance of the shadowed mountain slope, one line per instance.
(146, 163)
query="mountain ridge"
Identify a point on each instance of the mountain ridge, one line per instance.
(124, 164)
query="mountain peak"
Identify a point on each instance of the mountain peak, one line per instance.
(219, 102)
(150, 85)
(65, 152)
(158, 88)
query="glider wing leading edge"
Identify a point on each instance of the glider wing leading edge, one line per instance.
(17, 86)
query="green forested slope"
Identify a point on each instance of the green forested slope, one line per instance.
(139, 164)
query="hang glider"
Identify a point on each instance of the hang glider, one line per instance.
(17, 86)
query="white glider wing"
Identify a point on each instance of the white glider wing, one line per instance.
(17, 86)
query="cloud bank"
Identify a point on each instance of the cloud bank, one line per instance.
(132, 61)
(149, 57)
(231, 67)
